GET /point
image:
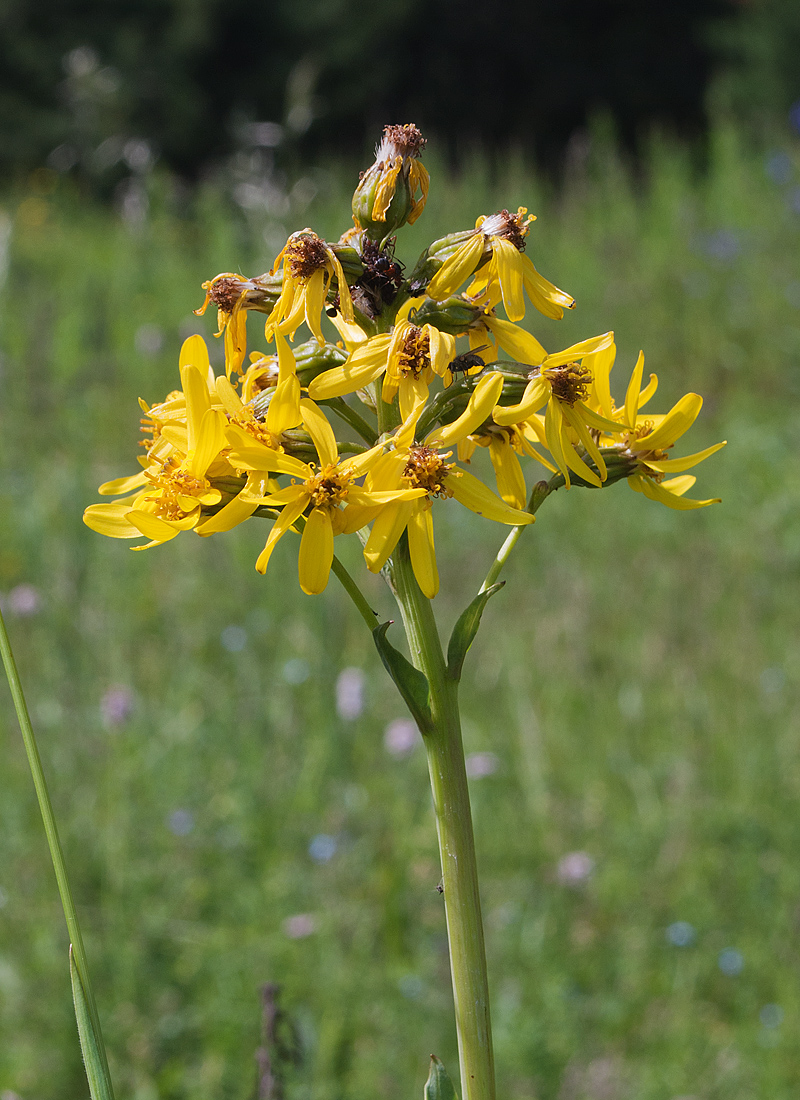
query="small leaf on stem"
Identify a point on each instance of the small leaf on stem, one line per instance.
(465, 630)
(411, 683)
(439, 1086)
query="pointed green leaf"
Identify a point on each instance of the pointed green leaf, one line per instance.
(411, 683)
(439, 1086)
(465, 630)
(91, 1043)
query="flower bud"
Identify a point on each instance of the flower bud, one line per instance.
(311, 359)
(386, 197)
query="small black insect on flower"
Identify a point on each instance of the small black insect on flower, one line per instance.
(464, 363)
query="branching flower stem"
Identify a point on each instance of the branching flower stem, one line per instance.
(539, 494)
(53, 841)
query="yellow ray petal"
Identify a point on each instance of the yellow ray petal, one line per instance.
(577, 351)
(457, 268)
(198, 401)
(354, 517)
(283, 412)
(510, 478)
(122, 485)
(317, 426)
(423, 552)
(600, 364)
(541, 290)
(357, 465)
(536, 394)
(364, 365)
(672, 498)
(345, 301)
(195, 353)
(678, 465)
(413, 394)
(236, 511)
(509, 271)
(677, 421)
(632, 394)
(519, 344)
(210, 441)
(316, 552)
(279, 529)
(316, 289)
(648, 391)
(158, 529)
(442, 348)
(248, 454)
(577, 465)
(554, 427)
(575, 422)
(382, 496)
(229, 398)
(479, 408)
(386, 531)
(176, 436)
(111, 520)
(479, 498)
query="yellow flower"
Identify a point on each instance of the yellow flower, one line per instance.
(328, 492)
(309, 266)
(504, 273)
(397, 173)
(563, 383)
(408, 357)
(175, 489)
(648, 439)
(505, 444)
(228, 291)
(424, 466)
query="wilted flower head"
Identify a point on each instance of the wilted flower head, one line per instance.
(386, 198)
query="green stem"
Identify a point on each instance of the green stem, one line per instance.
(51, 830)
(352, 417)
(539, 494)
(356, 595)
(456, 841)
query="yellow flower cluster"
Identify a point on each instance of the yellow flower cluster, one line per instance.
(257, 440)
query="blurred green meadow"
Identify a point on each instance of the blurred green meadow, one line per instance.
(631, 705)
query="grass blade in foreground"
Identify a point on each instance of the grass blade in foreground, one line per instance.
(91, 1035)
(91, 1040)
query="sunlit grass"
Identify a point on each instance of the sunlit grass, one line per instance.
(638, 682)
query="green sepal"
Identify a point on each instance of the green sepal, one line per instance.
(439, 1086)
(100, 1087)
(465, 630)
(411, 683)
(453, 315)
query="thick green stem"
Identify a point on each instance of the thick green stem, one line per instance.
(53, 841)
(456, 841)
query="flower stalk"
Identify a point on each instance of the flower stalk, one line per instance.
(448, 776)
(261, 440)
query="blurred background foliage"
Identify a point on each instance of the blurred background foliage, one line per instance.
(98, 90)
(241, 798)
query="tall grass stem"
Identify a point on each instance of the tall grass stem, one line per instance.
(53, 843)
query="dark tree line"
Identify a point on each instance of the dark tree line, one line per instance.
(190, 77)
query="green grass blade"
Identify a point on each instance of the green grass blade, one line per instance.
(79, 962)
(94, 1059)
